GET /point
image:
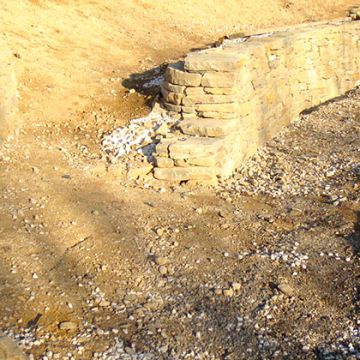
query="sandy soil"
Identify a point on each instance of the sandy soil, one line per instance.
(92, 266)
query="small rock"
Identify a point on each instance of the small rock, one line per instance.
(162, 129)
(159, 260)
(159, 231)
(228, 292)
(218, 292)
(67, 325)
(139, 170)
(163, 270)
(236, 286)
(286, 289)
(104, 303)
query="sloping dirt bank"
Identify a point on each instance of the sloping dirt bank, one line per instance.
(72, 56)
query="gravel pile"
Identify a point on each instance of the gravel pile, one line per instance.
(139, 136)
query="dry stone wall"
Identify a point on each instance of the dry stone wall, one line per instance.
(234, 98)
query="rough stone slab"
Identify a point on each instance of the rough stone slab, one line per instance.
(249, 107)
(194, 147)
(171, 97)
(194, 91)
(217, 61)
(164, 162)
(209, 99)
(190, 109)
(215, 115)
(171, 107)
(139, 170)
(176, 74)
(208, 127)
(184, 173)
(219, 79)
(190, 116)
(220, 91)
(178, 89)
(226, 108)
(204, 161)
(162, 148)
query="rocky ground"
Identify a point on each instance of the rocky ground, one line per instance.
(264, 266)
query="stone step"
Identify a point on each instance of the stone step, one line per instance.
(194, 147)
(215, 60)
(184, 173)
(209, 127)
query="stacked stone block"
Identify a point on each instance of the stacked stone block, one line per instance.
(234, 98)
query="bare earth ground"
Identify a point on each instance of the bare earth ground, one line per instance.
(264, 266)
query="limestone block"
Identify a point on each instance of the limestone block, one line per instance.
(194, 147)
(171, 97)
(189, 116)
(181, 163)
(194, 91)
(247, 107)
(189, 109)
(178, 89)
(208, 127)
(215, 115)
(162, 148)
(259, 83)
(220, 91)
(226, 108)
(138, 170)
(171, 107)
(219, 79)
(207, 161)
(185, 173)
(209, 99)
(164, 162)
(175, 74)
(215, 61)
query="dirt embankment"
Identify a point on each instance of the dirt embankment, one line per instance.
(73, 56)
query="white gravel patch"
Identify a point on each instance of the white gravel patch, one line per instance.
(138, 136)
